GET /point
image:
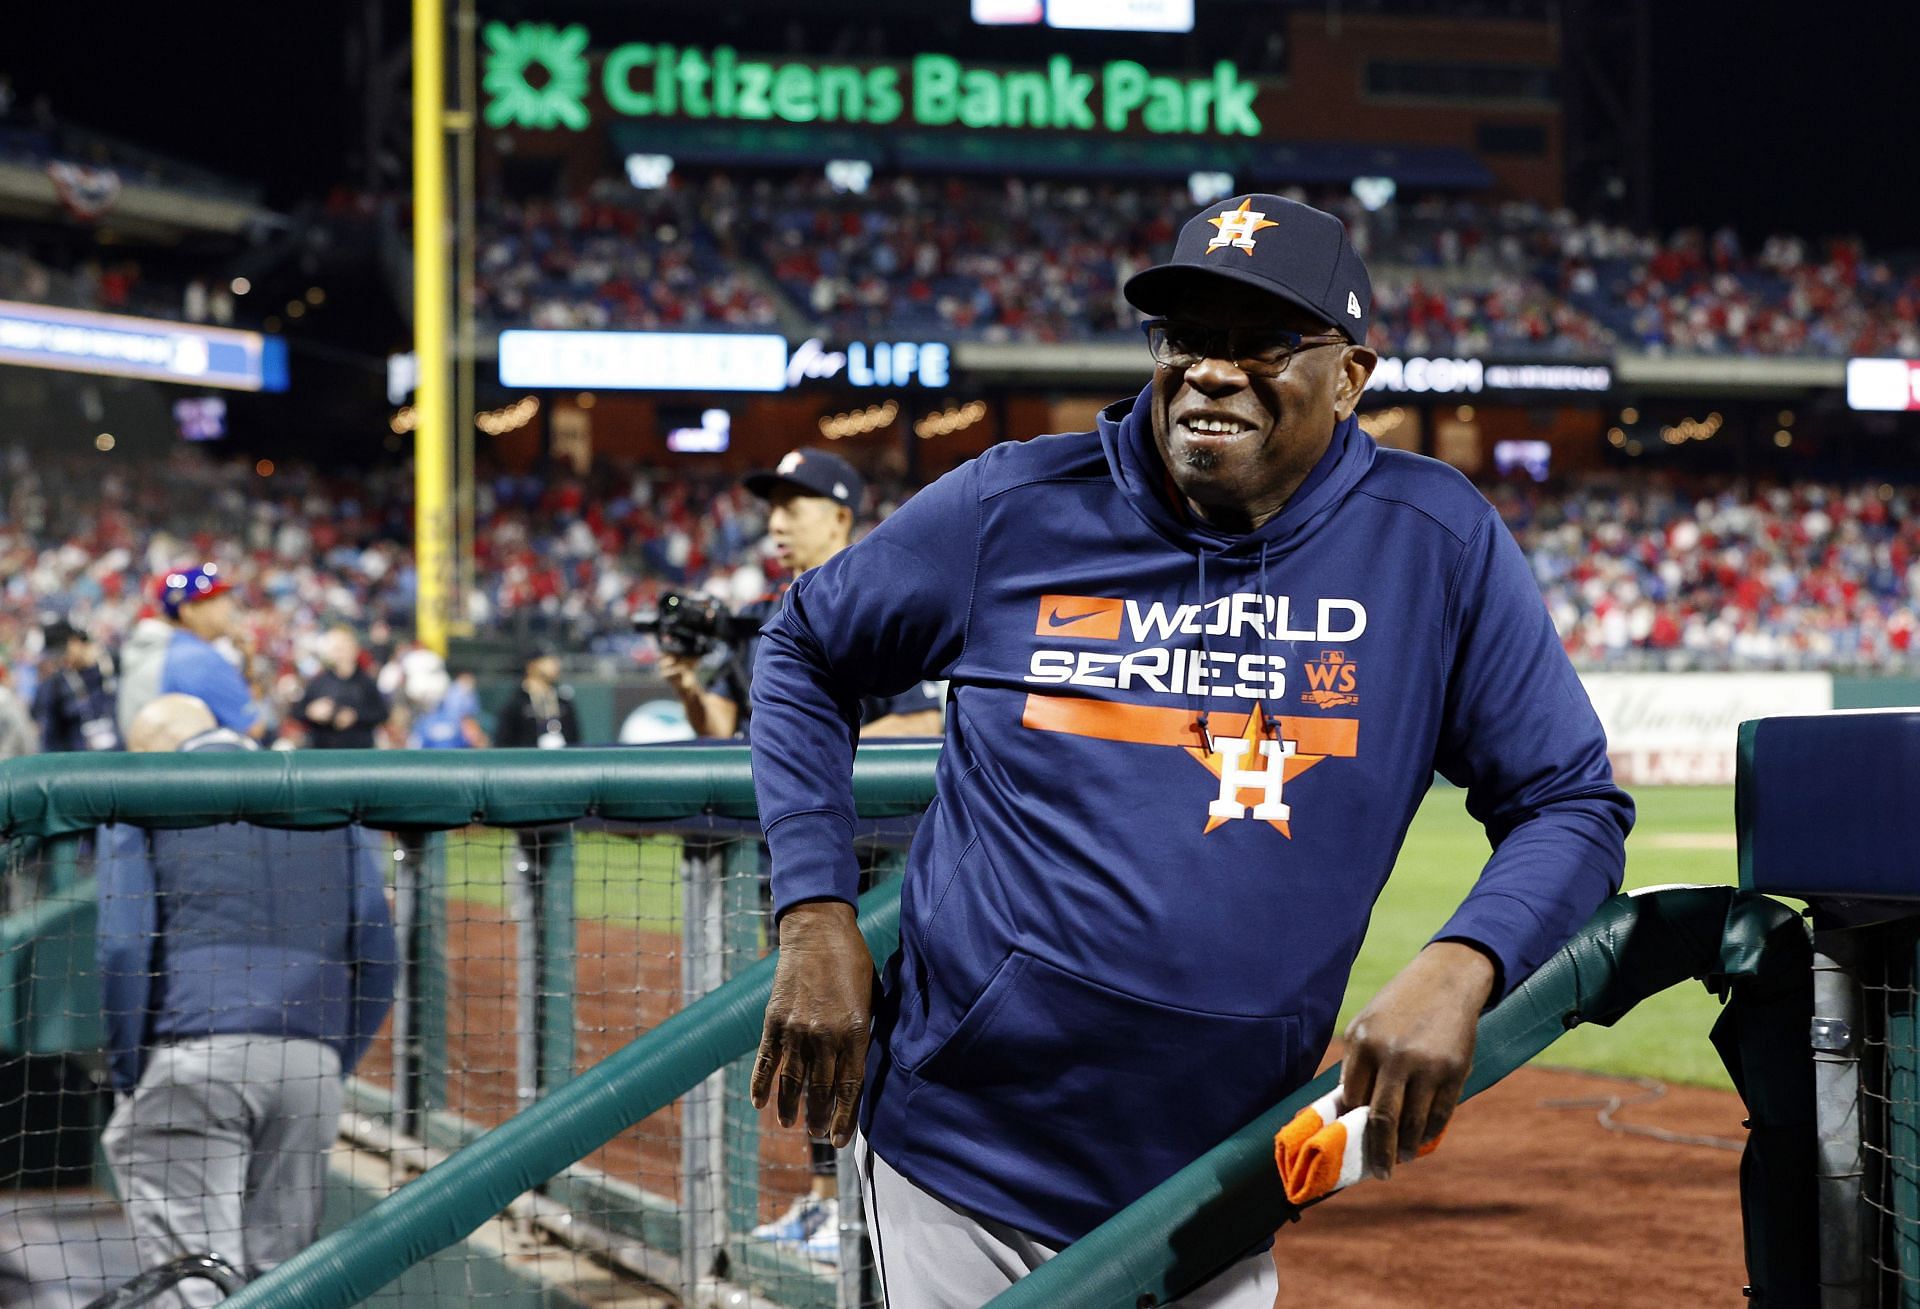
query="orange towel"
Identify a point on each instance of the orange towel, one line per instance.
(1320, 1151)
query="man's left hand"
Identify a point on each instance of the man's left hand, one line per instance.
(1409, 1050)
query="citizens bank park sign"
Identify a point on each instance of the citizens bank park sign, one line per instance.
(541, 76)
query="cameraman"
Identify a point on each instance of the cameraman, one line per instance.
(812, 497)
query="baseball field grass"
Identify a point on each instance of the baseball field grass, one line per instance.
(1684, 834)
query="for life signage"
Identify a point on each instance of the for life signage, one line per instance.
(873, 363)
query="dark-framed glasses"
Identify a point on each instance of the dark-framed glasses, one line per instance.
(1257, 351)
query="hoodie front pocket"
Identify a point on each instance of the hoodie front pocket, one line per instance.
(1092, 1082)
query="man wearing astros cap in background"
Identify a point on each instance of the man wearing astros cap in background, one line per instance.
(1204, 664)
(813, 500)
(180, 656)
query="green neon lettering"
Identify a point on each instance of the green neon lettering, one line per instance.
(981, 100)
(1124, 89)
(1233, 102)
(616, 80)
(723, 82)
(883, 95)
(842, 94)
(1199, 97)
(694, 72)
(1166, 106)
(1026, 95)
(796, 94)
(663, 82)
(1071, 91)
(756, 81)
(936, 89)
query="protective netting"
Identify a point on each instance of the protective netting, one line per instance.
(222, 976)
(1889, 1108)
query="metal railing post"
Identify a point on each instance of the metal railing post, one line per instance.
(420, 1001)
(558, 949)
(703, 1111)
(742, 933)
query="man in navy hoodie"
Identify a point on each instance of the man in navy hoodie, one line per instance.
(243, 970)
(1205, 662)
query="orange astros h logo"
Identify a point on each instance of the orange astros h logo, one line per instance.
(1237, 227)
(1331, 680)
(1081, 617)
(1250, 758)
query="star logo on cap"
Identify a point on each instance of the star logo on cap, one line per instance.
(1237, 227)
(792, 460)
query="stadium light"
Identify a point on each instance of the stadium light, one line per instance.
(649, 172)
(1374, 193)
(1008, 13)
(1121, 15)
(1205, 188)
(849, 176)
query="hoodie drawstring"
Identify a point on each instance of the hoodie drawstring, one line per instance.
(1206, 655)
(1268, 718)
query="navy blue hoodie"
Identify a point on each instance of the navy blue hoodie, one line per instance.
(1122, 937)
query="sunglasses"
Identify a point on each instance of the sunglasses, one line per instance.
(1256, 351)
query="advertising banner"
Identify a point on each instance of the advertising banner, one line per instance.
(116, 345)
(1683, 728)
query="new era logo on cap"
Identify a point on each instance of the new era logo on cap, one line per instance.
(1293, 251)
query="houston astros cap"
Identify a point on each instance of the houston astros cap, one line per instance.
(1295, 251)
(815, 472)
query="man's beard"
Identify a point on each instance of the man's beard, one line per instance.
(1201, 461)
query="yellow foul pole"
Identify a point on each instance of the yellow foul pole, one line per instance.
(432, 433)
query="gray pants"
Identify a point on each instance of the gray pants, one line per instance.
(222, 1149)
(933, 1256)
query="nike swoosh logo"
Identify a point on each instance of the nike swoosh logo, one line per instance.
(1055, 620)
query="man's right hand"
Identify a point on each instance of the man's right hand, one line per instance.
(814, 1044)
(680, 671)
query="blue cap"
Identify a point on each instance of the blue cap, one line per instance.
(1296, 252)
(183, 586)
(814, 472)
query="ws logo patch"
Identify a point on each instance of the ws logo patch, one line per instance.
(1331, 680)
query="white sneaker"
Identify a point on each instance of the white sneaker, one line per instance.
(823, 1244)
(800, 1221)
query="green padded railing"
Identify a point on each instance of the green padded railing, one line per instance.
(1217, 1208)
(448, 1202)
(1193, 1225)
(47, 796)
(1228, 1201)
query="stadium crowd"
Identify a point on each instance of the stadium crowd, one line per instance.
(1015, 259)
(1639, 574)
(567, 560)
(1642, 575)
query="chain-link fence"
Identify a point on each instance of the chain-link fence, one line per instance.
(187, 1011)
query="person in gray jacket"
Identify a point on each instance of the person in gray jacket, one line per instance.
(244, 971)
